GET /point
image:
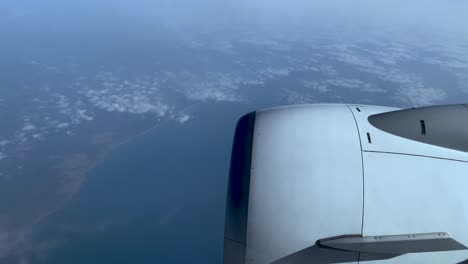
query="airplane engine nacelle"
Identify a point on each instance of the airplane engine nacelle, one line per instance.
(347, 184)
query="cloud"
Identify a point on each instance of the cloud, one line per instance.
(72, 109)
(29, 127)
(295, 97)
(3, 156)
(37, 136)
(183, 118)
(82, 114)
(451, 58)
(453, 63)
(62, 102)
(113, 94)
(21, 137)
(265, 43)
(135, 103)
(420, 95)
(410, 87)
(358, 85)
(316, 86)
(355, 84)
(216, 86)
(62, 125)
(328, 70)
(389, 53)
(224, 46)
(211, 92)
(271, 72)
(350, 58)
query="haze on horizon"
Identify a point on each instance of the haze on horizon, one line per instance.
(405, 17)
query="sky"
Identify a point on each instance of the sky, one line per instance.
(398, 15)
(69, 23)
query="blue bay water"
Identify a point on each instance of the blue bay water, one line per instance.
(158, 199)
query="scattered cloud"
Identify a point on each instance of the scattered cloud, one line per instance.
(420, 95)
(113, 94)
(266, 43)
(215, 86)
(410, 87)
(328, 70)
(326, 85)
(37, 136)
(211, 92)
(316, 86)
(183, 118)
(71, 109)
(391, 53)
(271, 72)
(355, 84)
(295, 97)
(224, 46)
(453, 63)
(21, 137)
(134, 103)
(453, 59)
(62, 125)
(353, 59)
(29, 127)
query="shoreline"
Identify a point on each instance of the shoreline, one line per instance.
(28, 236)
(106, 154)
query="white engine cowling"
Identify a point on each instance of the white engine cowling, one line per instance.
(348, 184)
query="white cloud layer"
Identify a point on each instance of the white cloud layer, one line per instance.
(215, 86)
(420, 95)
(384, 66)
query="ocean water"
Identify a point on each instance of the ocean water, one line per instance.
(158, 199)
